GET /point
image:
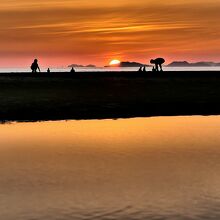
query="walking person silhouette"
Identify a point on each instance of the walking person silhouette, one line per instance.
(35, 66)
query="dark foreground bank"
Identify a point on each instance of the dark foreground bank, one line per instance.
(59, 96)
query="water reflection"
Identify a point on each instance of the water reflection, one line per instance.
(153, 168)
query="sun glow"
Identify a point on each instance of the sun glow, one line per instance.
(114, 62)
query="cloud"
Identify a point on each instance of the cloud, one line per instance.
(99, 28)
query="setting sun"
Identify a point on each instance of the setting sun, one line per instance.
(114, 62)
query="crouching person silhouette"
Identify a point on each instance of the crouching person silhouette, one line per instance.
(158, 63)
(35, 66)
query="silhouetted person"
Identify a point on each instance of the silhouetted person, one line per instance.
(140, 69)
(48, 70)
(144, 69)
(34, 66)
(158, 63)
(72, 70)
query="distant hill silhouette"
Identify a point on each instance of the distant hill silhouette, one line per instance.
(130, 64)
(197, 64)
(77, 65)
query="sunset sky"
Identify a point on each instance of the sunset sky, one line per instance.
(62, 32)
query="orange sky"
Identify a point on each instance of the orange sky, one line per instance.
(61, 32)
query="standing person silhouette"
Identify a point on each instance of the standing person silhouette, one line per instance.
(35, 66)
(158, 63)
(72, 70)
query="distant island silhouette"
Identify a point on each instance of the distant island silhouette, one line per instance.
(138, 64)
(172, 64)
(188, 64)
(129, 64)
(78, 65)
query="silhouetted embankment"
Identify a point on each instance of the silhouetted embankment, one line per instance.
(55, 96)
(130, 74)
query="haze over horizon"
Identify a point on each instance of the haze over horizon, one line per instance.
(61, 32)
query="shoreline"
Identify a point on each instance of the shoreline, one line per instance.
(108, 114)
(199, 74)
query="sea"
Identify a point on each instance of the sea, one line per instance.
(108, 69)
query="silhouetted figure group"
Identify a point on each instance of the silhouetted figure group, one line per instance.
(142, 69)
(157, 64)
(35, 67)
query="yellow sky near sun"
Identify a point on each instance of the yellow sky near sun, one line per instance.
(61, 32)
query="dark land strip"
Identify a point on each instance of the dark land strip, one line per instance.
(102, 95)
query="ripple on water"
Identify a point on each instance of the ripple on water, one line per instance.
(153, 169)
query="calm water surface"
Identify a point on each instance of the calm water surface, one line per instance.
(147, 168)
